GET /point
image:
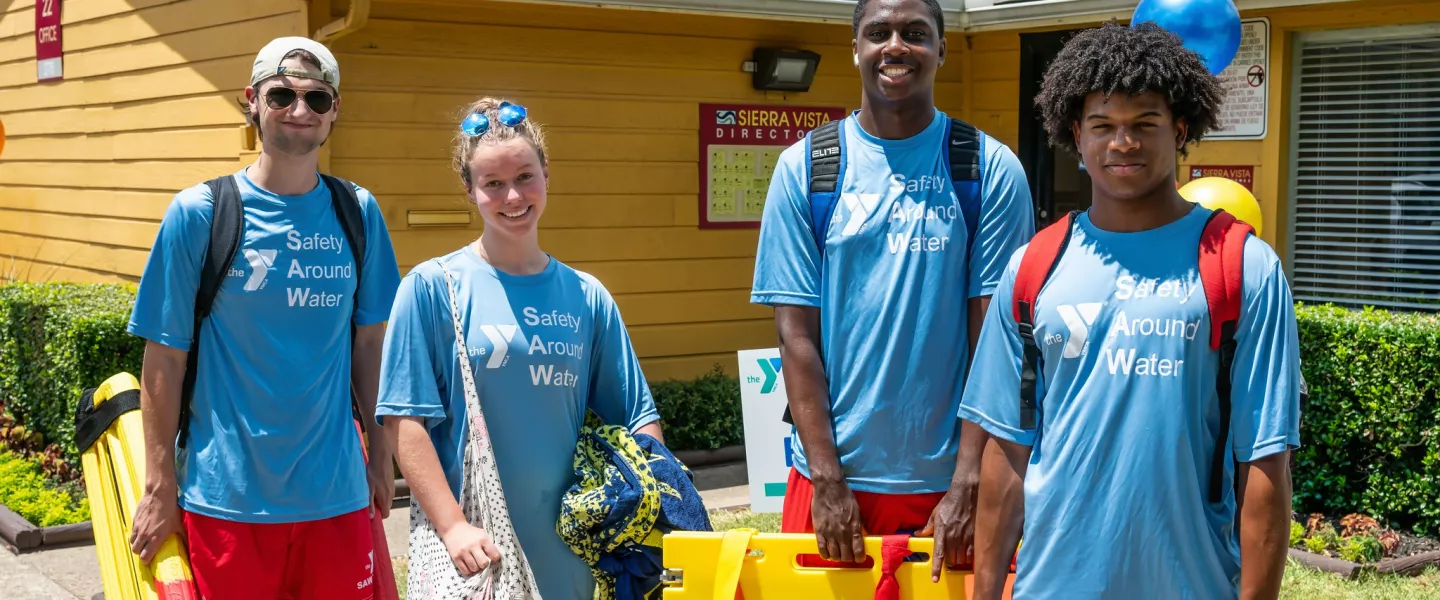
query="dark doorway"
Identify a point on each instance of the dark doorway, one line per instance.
(1058, 182)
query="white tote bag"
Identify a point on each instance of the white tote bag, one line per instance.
(433, 575)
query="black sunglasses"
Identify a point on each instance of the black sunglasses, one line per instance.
(280, 98)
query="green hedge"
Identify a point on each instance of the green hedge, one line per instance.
(702, 414)
(24, 490)
(56, 339)
(1370, 435)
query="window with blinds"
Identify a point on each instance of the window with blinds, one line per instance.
(1365, 190)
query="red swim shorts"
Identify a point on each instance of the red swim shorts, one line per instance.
(880, 514)
(329, 559)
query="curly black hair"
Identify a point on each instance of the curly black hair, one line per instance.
(1133, 60)
(935, 13)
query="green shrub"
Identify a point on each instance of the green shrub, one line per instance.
(1315, 545)
(24, 490)
(702, 414)
(1297, 534)
(1370, 435)
(56, 339)
(1361, 549)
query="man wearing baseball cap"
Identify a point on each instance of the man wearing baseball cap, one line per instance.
(268, 481)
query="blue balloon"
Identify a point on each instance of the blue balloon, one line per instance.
(1209, 27)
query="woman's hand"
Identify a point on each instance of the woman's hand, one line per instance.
(471, 548)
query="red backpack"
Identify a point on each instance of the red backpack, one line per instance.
(1222, 254)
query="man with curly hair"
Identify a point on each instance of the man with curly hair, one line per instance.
(1116, 462)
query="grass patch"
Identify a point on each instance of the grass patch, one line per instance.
(1302, 583)
(402, 572)
(722, 520)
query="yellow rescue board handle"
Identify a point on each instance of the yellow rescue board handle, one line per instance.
(733, 547)
(713, 565)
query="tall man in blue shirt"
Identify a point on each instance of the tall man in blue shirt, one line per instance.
(1132, 488)
(876, 328)
(271, 489)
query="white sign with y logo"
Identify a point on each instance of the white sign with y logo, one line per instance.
(767, 438)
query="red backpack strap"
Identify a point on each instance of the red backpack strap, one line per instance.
(1222, 273)
(1036, 265)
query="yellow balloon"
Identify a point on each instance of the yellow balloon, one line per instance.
(1222, 193)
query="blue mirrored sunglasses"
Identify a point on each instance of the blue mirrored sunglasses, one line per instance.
(477, 123)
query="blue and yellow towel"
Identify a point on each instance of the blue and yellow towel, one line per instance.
(629, 492)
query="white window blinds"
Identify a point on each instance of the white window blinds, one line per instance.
(1366, 169)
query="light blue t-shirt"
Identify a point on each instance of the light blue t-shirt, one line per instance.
(271, 434)
(893, 294)
(1117, 489)
(543, 348)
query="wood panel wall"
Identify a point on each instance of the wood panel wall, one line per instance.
(148, 106)
(618, 92)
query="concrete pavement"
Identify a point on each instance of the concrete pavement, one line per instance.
(21, 581)
(74, 573)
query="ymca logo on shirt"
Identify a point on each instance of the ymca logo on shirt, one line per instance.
(261, 263)
(858, 207)
(499, 336)
(1078, 319)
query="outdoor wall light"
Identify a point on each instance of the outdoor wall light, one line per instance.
(785, 70)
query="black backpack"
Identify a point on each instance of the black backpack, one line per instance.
(227, 230)
(825, 146)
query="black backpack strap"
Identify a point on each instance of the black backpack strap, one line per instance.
(1037, 264)
(1222, 391)
(825, 149)
(227, 229)
(352, 222)
(827, 173)
(965, 153)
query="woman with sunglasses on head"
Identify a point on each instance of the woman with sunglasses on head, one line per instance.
(542, 344)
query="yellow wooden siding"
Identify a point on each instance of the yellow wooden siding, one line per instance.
(147, 107)
(995, 85)
(618, 92)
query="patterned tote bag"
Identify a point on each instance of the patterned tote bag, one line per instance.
(433, 575)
